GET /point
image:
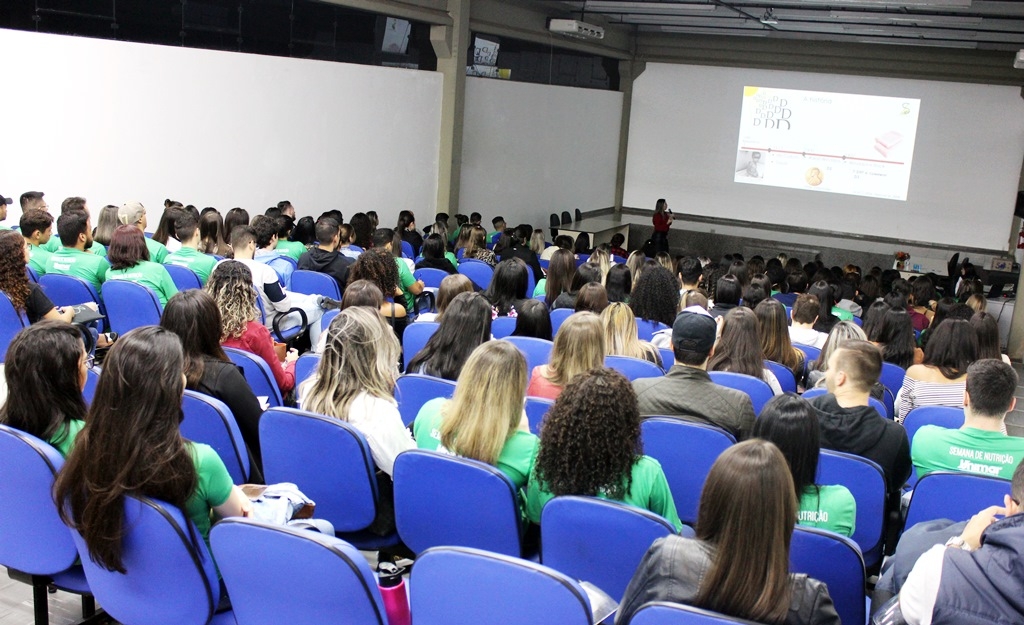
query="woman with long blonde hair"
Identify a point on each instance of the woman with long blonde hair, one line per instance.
(484, 420)
(579, 346)
(620, 334)
(601, 258)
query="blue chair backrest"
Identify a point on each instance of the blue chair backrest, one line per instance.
(328, 317)
(889, 399)
(757, 389)
(339, 477)
(477, 271)
(558, 317)
(633, 368)
(820, 390)
(284, 265)
(407, 251)
(783, 374)
(31, 273)
(315, 283)
(290, 333)
(811, 353)
(892, 377)
(581, 259)
(462, 586)
(92, 378)
(686, 452)
(208, 420)
(646, 328)
(11, 322)
(158, 555)
(413, 390)
(836, 561)
(271, 570)
(866, 483)
(531, 283)
(460, 253)
(447, 500)
(305, 366)
(130, 305)
(257, 373)
(502, 327)
(537, 351)
(536, 408)
(431, 277)
(954, 496)
(415, 337)
(356, 248)
(665, 613)
(596, 540)
(942, 416)
(858, 322)
(35, 541)
(183, 277)
(70, 291)
(668, 358)
(544, 263)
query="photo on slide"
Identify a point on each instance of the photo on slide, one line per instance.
(750, 163)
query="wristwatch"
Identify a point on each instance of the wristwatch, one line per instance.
(959, 543)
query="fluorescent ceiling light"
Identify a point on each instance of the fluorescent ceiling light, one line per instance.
(893, 41)
(760, 31)
(652, 8)
(960, 4)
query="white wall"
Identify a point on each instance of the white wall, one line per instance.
(967, 160)
(530, 150)
(114, 121)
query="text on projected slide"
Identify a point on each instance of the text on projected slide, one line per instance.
(832, 142)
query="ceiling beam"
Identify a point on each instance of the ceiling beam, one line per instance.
(427, 11)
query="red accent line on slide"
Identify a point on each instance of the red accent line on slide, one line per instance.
(849, 158)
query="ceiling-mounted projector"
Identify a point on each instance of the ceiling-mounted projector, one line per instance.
(1018, 61)
(576, 28)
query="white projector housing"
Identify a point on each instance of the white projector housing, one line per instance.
(576, 28)
(1018, 61)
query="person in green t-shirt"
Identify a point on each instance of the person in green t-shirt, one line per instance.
(37, 228)
(792, 425)
(46, 370)
(186, 230)
(134, 427)
(499, 227)
(588, 447)
(128, 262)
(484, 420)
(981, 446)
(73, 259)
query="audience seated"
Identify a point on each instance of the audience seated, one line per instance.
(739, 348)
(361, 293)
(193, 316)
(728, 292)
(534, 321)
(74, 257)
(134, 214)
(406, 228)
(325, 257)
(620, 334)
(828, 314)
(265, 230)
(230, 285)
(133, 427)
(579, 346)
(687, 391)
(775, 341)
(355, 382)
(129, 260)
(940, 380)
(45, 370)
(378, 266)
(841, 333)
(186, 229)
(36, 227)
(520, 248)
(465, 324)
(26, 296)
(408, 286)
(566, 280)
(232, 219)
(589, 446)
(617, 241)
(739, 562)
(850, 424)
(981, 445)
(791, 423)
(286, 243)
(507, 290)
(484, 420)
(435, 255)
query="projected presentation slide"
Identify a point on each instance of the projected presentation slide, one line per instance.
(832, 142)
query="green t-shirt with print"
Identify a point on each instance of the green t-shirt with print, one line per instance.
(406, 280)
(150, 274)
(54, 244)
(70, 261)
(212, 488)
(649, 490)
(295, 249)
(157, 250)
(37, 257)
(515, 460)
(63, 444)
(830, 508)
(200, 264)
(968, 450)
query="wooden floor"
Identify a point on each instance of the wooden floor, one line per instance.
(16, 597)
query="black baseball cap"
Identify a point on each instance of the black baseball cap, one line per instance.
(694, 330)
(6, 200)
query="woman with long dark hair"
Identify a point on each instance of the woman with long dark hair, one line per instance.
(618, 282)
(362, 231)
(561, 271)
(942, 378)
(590, 445)
(465, 324)
(739, 348)
(507, 290)
(131, 445)
(129, 260)
(775, 342)
(433, 250)
(46, 369)
(791, 423)
(987, 329)
(519, 247)
(826, 299)
(407, 230)
(534, 320)
(234, 218)
(895, 336)
(193, 316)
(211, 234)
(739, 562)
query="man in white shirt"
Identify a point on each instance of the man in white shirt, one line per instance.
(804, 316)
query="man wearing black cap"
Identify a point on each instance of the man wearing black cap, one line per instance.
(4, 201)
(687, 391)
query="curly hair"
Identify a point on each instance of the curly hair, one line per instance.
(13, 280)
(230, 284)
(655, 295)
(378, 266)
(590, 439)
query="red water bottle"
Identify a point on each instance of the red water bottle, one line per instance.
(392, 591)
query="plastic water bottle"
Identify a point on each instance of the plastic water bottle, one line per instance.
(392, 591)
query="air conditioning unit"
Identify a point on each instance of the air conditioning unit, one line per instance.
(576, 28)
(1018, 61)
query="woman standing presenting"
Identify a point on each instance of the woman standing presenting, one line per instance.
(662, 222)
